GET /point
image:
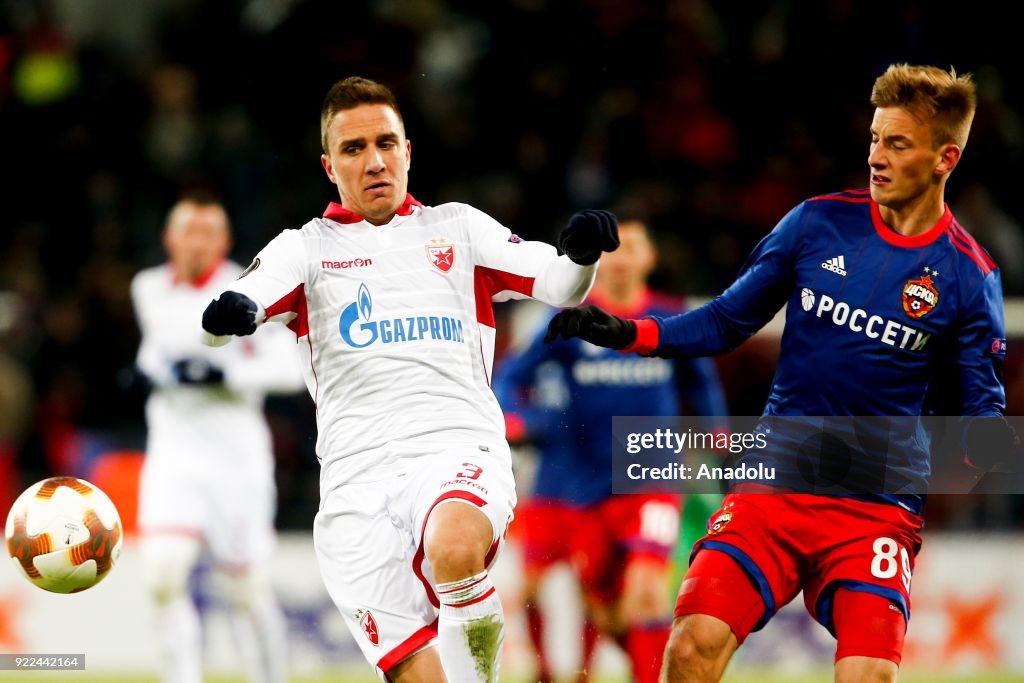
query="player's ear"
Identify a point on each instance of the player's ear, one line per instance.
(949, 157)
(325, 161)
(408, 154)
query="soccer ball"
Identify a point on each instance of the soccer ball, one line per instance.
(64, 534)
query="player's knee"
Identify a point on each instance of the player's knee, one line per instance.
(456, 541)
(646, 604)
(167, 588)
(167, 563)
(244, 588)
(453, 559)
(866, 670)
(697, 644)
(645, 597)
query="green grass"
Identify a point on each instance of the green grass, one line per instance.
(357, 676)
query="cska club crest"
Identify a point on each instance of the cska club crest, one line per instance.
(920, 296)
(441, 255)
(718, 523)
(369, 626)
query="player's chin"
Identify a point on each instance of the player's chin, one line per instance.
(881, 193)
(380, 208)
(381, 198)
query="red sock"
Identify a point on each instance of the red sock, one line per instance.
(645, 645)
(535, 626)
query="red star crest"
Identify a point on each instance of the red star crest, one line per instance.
(369, 626)
(441, 255)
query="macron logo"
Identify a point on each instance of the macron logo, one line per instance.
(836, 264)
(354, 263)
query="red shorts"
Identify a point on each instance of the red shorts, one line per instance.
(786, 543)
(618, 530)
(545, 526)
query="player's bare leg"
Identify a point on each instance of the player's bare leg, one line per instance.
(643, 614)
(471, 627)
(698, 651)
(866, 670)
(598, 619)
(535, 619)
(421, 667)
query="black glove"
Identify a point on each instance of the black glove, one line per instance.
(592, 324)
(232, 313)
(197, 371)
(992, 441)
(587, 234)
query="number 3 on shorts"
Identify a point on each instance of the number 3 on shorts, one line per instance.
(884, 566)
(469, 471)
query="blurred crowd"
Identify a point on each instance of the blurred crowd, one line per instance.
(709, 119)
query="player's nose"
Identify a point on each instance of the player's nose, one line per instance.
(374, 160)
(876, 158)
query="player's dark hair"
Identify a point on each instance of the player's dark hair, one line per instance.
(349, 94)
(200, 196)
(942, 97)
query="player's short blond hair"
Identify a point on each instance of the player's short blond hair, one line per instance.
(349, 93)
(941, 97)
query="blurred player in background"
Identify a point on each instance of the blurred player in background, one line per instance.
(208, 477)
(880, 284)
(392, 302)
(620, 546)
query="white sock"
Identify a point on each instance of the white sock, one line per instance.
(166, 562)
(178, 639)
(471, 630)
(259, 628)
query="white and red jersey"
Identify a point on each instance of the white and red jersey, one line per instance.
(398, 325)
(196, 423)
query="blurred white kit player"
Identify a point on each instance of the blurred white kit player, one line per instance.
(208, 477)
(392, 302)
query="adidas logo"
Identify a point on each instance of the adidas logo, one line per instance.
(836, 264)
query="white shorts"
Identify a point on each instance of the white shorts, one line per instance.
(369, 543)
(230, 507)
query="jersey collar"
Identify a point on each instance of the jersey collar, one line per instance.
(920, 240)
(339, 214)
(200, 281)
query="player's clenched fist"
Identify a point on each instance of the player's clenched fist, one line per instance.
(992, 441)
(587, 234)
(232, 313)
(591, 324)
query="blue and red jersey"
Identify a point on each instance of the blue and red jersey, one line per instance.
(568, 391)
(873, 320)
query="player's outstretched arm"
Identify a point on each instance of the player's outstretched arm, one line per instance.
(230, 314)
(594, 325)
